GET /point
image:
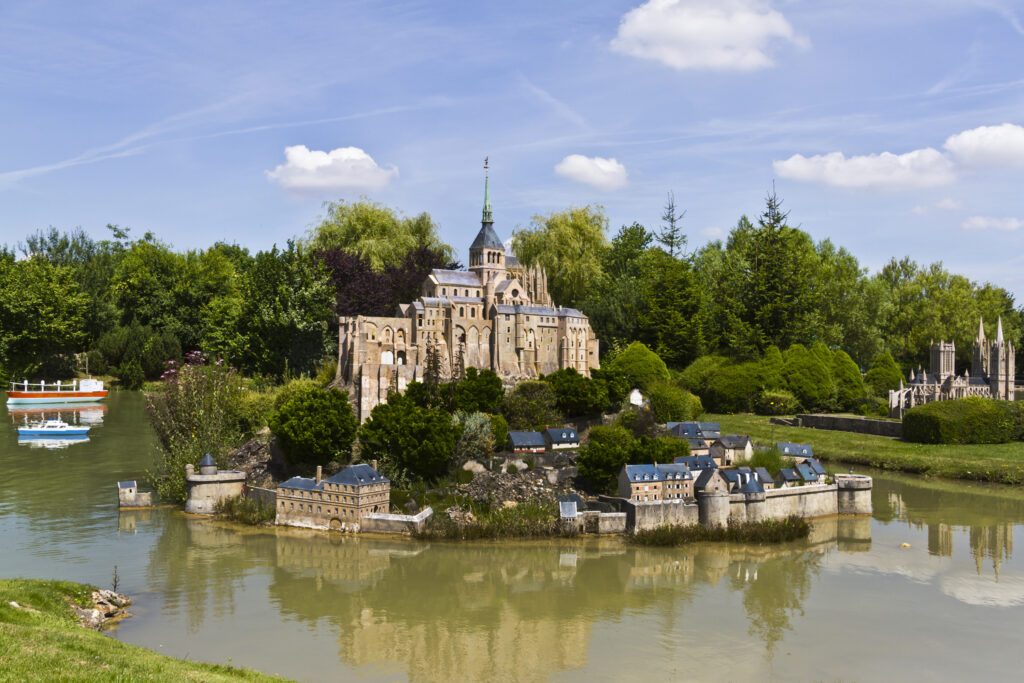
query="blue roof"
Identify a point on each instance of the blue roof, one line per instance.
(798, 449)
(357, 475)
(302, 483)
(689, 430)
(733, 440)
(752, 485)
(815, 465)
(675, 471)
(127, 484)
(487, 238)
(562, 435)
(567, 509)
(806, 472)
(788, 474)
(764, 475)
(697, 462)
(526, 439)
(704, 477)
(658, 472)
(710, 427)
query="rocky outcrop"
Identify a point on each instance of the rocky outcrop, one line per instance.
(255, 458)
(495, 488)
(107, 608)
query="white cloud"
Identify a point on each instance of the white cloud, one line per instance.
(724, 35)
(992, 223)
(1001, 145)
(604, 174)
(713, 233)
(344, 168)
(920, 168)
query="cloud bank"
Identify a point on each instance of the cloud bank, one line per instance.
(983, 147)
(604, 174)
(344, 168)
(720, 35)
(992, 223)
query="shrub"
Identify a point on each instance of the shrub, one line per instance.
(254, 412)
(641, 366)
(246, 510)
(850, 389)
(776, 402)
(768, 458)
(480, 391)
(698, 374)
(130, 374)
(883, 375)
(672, 403)
(315, 426)
(577, 395)
(808, 378)
(769, 531)
(873, 406)
(196, 412)
(734, 388)
(532, 405)
(294, 387)
(511, 468)
(963, 421)
(527, 520)
(409, 442)
(602, 457)
(476, 438)
(771, 368)
(661, 449)
(638, 421)
(615, 382)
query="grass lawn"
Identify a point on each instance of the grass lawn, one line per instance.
(49, 644)
(1003, 463)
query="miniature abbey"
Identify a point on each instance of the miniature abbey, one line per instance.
(991, 376)
(497, 316)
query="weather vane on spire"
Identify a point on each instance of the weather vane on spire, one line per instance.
(485, 163)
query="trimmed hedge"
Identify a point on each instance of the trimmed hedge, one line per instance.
(964, 421)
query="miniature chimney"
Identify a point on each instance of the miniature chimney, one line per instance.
(319, 473)
(373, 464)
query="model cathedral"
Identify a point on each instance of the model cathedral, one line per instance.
(991, 376)
(496, 315)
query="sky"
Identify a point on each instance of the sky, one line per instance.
(891, 127)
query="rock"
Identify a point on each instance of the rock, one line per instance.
(107, 606)
(411, 506)
(459, 516)
(254, 457)
(474, 467)
(509, 504)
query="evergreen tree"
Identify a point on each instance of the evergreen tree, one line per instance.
(671, 235)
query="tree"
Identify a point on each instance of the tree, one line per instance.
(576, 395)
(570, 245)
(409, 442)
(808, 378)
(603, 457)
(479, 391)
(641, 366)
(671, 235)
(315, 426)
(670, 320)
(376, 234)
(532, 406)
(883, 375)
(734, 388)
(286, 321)
(42, 318)
(476, 438)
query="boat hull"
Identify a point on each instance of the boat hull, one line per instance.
(36, 397)
(52, 433)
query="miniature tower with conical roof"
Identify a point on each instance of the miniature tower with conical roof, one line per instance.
(487, 253)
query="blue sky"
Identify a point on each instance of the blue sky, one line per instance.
(893, 127)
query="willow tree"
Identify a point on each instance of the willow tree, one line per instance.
(570, 245)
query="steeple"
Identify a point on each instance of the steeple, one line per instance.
(999, 331)
(488, 215)
(981, 329)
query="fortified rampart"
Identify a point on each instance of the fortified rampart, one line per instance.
(850, 423)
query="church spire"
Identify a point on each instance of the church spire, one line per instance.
(981, 329)
(999, 331)
(488, 215)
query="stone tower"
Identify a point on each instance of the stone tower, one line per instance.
(1001, 366)
(979, 364)
(487, 253)
(943, 360)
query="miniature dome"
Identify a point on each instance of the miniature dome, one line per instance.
(207, 461)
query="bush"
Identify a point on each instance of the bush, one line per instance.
(639, 421)
(734, 388)
(480, 391)
(663, 449)
(577, 395)
(511, 468)
(602, 457)
(532, 406)
(527, 520)
(315, 426)
(850, 390)
(776, 402)
(254, 412)
(499, 429)
(768, 458)
(697, 375)
(476, 438)
(672, 403)
(809, 378)
(246, 511)
(130, 374)
(873, 406)
(410, 442)
(964, 421)
(641, 366)
(883, 375)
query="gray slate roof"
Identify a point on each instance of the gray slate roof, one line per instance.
(464, 278)
(703, 478)
(696, 462)
(764, 475)
(357, 475)
(207, 461)
(562, 435)
(733, 441)
(795, 449)
(789, 475)
(527, 439)
(127, 484)
(487, 238)
(301, 483)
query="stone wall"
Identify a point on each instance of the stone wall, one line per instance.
(848, 423)
(854, 494)
(264, 496)
(643, 516)
(386, 523)
(206, 490)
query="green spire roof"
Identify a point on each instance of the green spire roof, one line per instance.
(488, 216)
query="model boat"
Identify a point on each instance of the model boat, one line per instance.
(52, 429)
(73, 391)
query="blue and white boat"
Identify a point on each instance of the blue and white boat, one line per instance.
(52, 429)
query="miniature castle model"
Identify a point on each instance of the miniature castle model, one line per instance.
(993, 369)
(340, 502)
(497, 315)
(210, 486)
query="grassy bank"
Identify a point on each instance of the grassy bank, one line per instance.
(43, 640)
(1002, 463)
(767, 532)
(529, 520)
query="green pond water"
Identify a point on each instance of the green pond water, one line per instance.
(849, 604)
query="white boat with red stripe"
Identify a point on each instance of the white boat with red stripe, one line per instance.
(71, 391)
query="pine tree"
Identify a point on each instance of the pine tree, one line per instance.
(432, 376)
(672, 236)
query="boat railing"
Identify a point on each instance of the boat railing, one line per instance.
(25, 385)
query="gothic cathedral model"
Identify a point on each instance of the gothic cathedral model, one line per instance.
(992, 374)
(496, 315)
